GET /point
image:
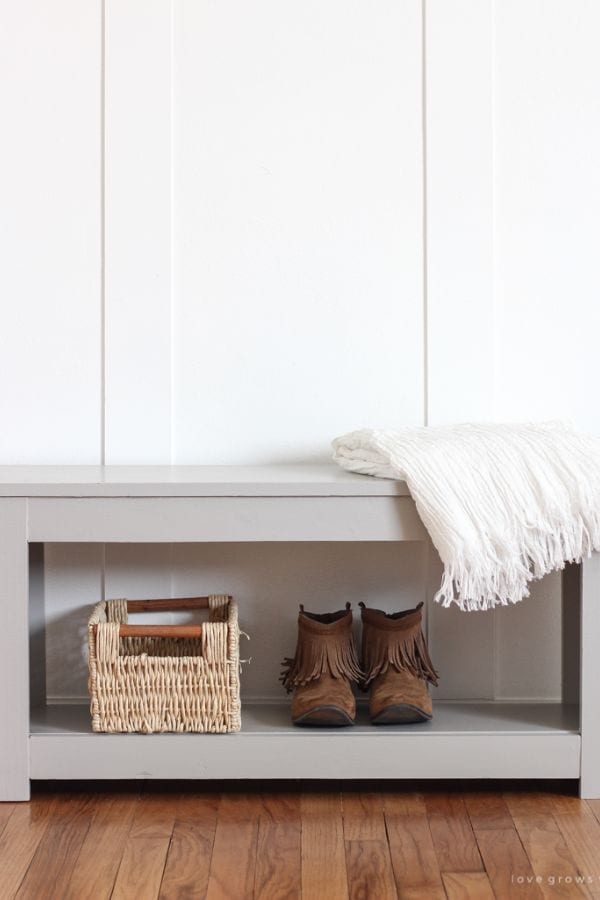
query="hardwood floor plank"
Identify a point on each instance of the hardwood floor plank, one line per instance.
(279, 856)
(487, 810)
(233, 862)
(145, 852)
(369, 869)
(97, 864)
(453, 838)
(190, 851)
(322, 844)
(414, 861)
(581, 831)
(506, 863)
(323, 851)
(53, 862)
(545, 846)
(404, 803)
(467, 886)
(594, 805)
(20, 839)
(423, 893)
(363, 816)
(6, 811)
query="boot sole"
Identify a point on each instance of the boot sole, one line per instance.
(401, 714)
(324, 717)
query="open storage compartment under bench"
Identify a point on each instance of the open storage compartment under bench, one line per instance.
(293, 507)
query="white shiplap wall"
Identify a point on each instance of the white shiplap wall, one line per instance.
(297, 161)
(232, 230)
(50, 232)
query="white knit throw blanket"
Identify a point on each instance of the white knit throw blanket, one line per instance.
(503, 504)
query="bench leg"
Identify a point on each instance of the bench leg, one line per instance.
(14, 651)
(589, 785)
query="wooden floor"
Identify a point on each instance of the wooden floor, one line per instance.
(318, 840)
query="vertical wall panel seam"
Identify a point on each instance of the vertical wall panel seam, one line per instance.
(496, 632)
(102, 232)
(424, 211)
(171, 229)
(103, 264)
(172, 265)
(428, 550)
(493, 200)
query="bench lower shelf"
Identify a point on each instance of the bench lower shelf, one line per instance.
(464, 740)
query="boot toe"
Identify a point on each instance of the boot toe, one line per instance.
(324, 703)
(400, 714)
(399, 698)
(324, 716)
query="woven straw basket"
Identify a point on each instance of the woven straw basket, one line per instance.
(146, 679)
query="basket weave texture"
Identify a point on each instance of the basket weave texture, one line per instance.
(164, 684)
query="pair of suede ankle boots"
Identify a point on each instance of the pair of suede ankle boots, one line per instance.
(395, 668)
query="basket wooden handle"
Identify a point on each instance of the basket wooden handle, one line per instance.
(165, 631)
(169, 603)
(161, 631)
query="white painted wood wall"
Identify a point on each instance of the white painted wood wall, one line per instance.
(232, 230)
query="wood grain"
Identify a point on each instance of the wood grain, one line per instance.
(96, 866)
(594, 805)
(323, 852)
(50, 870)
(545, 846)
(6, 811)
(453, 838)
(145, 851)
(363, 816)
(167, 604)
(369, 870)
(487, 810)
(233, 862)
(187, 869)
(279, 857)
(165, 631)
(413, 856)
(20, 839)
(506, 862)
(467, 886)
(423, 893)
(254, 843)
(581, 831)
(403, 803)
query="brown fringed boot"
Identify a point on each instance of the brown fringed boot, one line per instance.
(321, 672)
(397, 666)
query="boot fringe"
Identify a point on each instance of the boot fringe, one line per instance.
(404, 650)
(332, 654)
